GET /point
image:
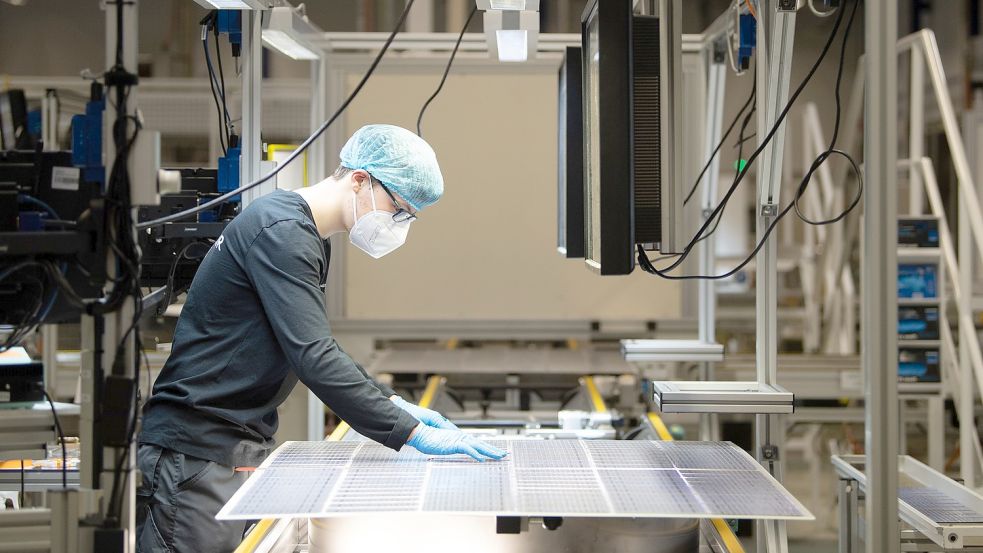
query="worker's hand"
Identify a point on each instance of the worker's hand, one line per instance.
(424, 415)
(437, 441)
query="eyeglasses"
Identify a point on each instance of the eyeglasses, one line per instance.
(401, 215)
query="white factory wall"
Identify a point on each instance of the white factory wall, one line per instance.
(487, 250)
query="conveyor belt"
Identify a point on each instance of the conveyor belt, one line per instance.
(596, 478)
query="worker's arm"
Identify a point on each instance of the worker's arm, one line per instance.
(386, 390)
(284, 266)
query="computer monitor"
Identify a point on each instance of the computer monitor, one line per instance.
(629, 133)
(570, 153)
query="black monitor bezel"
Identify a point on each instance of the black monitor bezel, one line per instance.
(616, 215)
(570, 238)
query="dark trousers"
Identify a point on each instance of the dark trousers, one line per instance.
(177, 502)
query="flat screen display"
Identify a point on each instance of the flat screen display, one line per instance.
(917, 281)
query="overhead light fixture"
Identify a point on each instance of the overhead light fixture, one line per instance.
(232, 4)
(287, 31)
(512, 35)
(517, 5)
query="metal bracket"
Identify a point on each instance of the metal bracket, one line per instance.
(787, 5)
(719, 51)
(769, 210)
(769, 453)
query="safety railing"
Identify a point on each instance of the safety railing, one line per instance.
(926, 62)
(965, 373)
(959, 382)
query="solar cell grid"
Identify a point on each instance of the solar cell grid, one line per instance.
(538, 478)
(938, 506)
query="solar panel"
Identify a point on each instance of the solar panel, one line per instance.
(596, 478)
(938, 506)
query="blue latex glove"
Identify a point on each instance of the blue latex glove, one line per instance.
(424, 415)
(437, 441)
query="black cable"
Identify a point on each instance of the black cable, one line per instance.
(750, 100)
(740, 154)
(419, 118)
(213, 85)
(221, 76)
(745, 139)
(648, 267)
(61, 436)
(36, 314)
(122, 243)
(832, 143)
(172, 272)
(740, 177)
(300, 149)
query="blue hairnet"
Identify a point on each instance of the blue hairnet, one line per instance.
(399, 159)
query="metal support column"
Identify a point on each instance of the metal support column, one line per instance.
(252, 80)
(773, 80)
(916, 131)
(707, 293)
(316, 172)
(101, 335)
(848, 517)
(880, 353)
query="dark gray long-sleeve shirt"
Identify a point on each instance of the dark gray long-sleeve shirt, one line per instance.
(253, 324)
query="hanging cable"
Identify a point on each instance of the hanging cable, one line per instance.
(754, 155)
(831, 150)
(713, 155)
(61, 437)
(419, 118)
(740, 156)
(213, 82)
(221, 76)
(300, 149)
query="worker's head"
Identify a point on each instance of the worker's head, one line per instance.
(392, 174)
(402, 161)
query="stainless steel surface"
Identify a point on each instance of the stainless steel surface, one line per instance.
(594, 478)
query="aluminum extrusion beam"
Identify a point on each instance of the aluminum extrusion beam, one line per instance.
(879, 297)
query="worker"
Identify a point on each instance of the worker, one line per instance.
(255, 322)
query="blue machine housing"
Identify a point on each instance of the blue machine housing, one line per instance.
(230, 22)
(747, 40)
(228, 172)
(87, 141)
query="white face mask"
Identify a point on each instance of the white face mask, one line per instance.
(375, 233)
